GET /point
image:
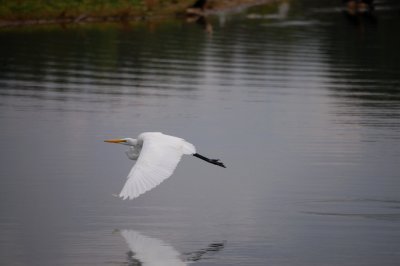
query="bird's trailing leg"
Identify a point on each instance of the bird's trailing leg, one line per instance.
(213, 161)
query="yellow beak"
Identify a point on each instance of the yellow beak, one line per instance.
(115, 140)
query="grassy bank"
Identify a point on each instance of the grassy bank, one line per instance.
(12, 10)
(21, 12)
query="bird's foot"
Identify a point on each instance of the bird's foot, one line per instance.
(217, 162)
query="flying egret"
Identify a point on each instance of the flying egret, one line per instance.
(157, 156)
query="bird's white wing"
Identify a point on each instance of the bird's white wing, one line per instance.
(151, 251)
(157, 161)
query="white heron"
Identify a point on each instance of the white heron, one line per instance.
(157, 156)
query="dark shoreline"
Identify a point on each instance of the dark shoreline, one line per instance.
(178, 11)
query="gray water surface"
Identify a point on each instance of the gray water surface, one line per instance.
(302, 105)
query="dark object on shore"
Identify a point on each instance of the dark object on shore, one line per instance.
(360, 12)
(354, 7)
(197, 9)
(368, 2)
(199, 4)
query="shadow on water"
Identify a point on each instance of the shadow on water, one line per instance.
(146, 250)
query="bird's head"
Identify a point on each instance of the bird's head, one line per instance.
(124, 141)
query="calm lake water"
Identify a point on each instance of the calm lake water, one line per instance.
(299, 101)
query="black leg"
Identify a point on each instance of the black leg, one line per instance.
(213, 161)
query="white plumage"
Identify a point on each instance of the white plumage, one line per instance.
(157, 156)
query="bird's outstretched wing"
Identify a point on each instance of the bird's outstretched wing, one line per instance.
(157, 161)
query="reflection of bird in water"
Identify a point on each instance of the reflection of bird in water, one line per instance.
(148, 251)
(157, 156)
